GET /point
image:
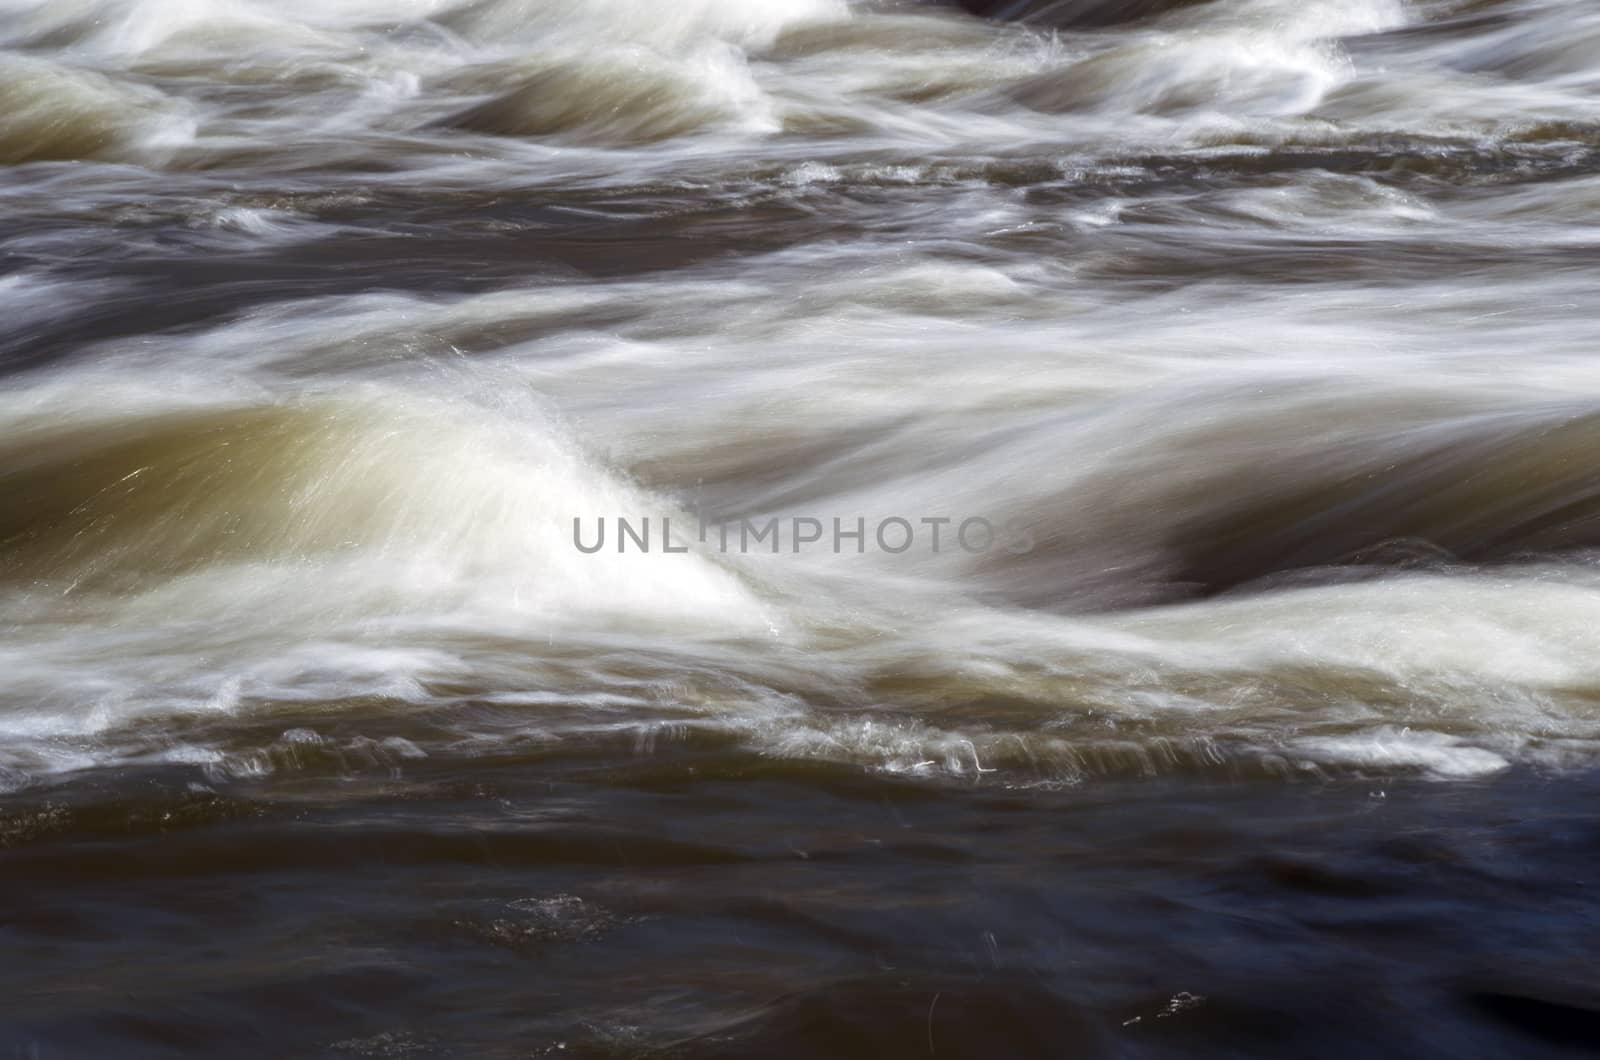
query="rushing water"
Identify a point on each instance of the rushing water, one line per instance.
(1262, 332)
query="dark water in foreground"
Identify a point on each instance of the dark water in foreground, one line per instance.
(696, 901)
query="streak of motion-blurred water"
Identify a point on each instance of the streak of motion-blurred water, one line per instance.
(1270, 323)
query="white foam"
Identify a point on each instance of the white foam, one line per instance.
(1020, 311)
(1436, 754)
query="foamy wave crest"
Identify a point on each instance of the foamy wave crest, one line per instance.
(1265, 58)
(50, 112)
(749, 24)
(135, 27)
(375, 502)
(626, 95)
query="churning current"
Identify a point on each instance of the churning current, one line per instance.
(798, 527)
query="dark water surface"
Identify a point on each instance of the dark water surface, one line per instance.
(1269, 325)
(697, 902)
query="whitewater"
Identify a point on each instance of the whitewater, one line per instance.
(1268, 325)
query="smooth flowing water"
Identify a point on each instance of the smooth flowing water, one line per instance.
(1130, 587)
